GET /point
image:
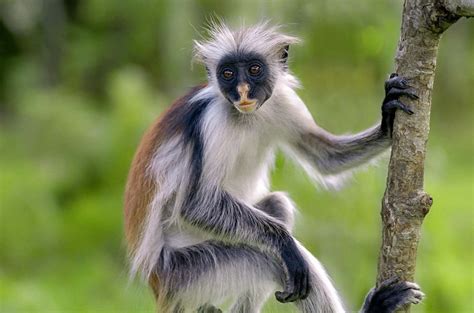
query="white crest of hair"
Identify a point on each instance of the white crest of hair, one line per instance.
(263, 39)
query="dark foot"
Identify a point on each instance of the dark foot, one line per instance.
(395, 87)
(208, 308)
(391, 295)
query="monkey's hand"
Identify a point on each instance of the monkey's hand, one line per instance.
(297, 284)
(391, 295)
(395, 87)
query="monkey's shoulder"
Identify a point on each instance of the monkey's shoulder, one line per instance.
(182, 115)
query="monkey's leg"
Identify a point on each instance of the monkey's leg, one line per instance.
(212, 272)
(279, 205)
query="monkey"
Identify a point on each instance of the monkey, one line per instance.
(201, 224)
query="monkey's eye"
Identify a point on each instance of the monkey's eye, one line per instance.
(255, 69)
(227, 74)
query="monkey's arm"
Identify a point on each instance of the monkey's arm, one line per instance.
(225, 218)
(332, 154)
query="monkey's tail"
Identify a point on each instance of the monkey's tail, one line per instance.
(323, 297)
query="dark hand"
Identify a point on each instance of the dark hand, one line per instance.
(395, 87)
(391, 295)
(297, 284)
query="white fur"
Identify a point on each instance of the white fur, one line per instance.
(229, 282)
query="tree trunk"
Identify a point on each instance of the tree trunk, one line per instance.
(405, 203)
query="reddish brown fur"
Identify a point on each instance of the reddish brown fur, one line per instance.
(141, 186)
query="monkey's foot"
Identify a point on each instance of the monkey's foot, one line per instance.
(208, 308)
(395, 87)
(391, 295)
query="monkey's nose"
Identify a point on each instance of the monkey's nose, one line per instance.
(243, 90)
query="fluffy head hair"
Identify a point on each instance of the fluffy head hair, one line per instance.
(263, 39)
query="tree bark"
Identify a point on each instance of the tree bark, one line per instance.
(405, 203)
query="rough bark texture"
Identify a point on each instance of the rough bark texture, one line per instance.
(405, 203)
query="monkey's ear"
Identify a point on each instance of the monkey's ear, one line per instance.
(284, 54)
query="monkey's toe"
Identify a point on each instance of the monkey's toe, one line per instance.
(395, 93)
(395, 87)
(396, 81)
(401, 294)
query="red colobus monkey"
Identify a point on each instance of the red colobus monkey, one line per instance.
(202, 225)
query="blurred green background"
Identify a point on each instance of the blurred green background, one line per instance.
(81, 80)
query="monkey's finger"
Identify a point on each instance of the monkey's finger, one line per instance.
(413, 286)
(396, 104)
(394, 290)
(291, 295)
(403, 293)
(286, 295)
(300, 282)
(404, 107)
(291, 292)
(384, 290)
(395, 93)
(305, 286)
(282, 296)
(389, 107)
(396, 82)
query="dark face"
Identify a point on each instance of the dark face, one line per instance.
(245, 80)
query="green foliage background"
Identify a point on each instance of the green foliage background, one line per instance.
(81, 80)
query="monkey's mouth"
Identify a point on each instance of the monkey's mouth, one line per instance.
(246, 106)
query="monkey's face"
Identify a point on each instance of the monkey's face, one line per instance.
(245, 81)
